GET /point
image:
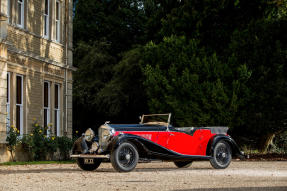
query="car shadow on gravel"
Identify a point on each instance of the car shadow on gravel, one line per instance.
(280, 188)
(27, 171)
(169, 169)
(146, 169)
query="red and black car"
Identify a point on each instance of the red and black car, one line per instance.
(154, 138)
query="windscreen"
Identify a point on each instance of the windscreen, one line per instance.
(156, 118)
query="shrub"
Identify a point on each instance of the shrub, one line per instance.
(39, 150)
(65, 145)
(12, 139)
(38, 145)
(280, 142)
(27, 145)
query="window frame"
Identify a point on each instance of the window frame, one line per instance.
(46, 17)
(48, 108)
(21, 123)
(58, 21)
(21, 25)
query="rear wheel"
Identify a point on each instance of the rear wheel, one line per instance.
(221, 156)
(89, 167)
(183, 164)
(125, 157)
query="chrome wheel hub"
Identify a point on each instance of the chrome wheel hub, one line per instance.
(128, 156)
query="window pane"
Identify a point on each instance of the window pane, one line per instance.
(18, 90)
(56, 122)
(8, 82)
(19, 14)
(18, 117)
(57, 29)
(45, 25)
(56, 96)
(8, 8)
(46, 7)
(46, 94)
(57, 10)
(45, 117)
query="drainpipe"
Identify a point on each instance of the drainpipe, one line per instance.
(66, 60)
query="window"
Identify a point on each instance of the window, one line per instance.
(58, 12)
(57, 110)
(8, 102)
(46, 19)
(19, 103)
(46, 106)
(20, 9)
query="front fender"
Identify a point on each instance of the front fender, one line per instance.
(80, 146)
(234, 147)
(136, 140)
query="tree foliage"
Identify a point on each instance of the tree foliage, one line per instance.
(197, 88)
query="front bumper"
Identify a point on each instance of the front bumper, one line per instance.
(90, 156)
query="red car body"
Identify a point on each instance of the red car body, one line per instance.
(179, 142)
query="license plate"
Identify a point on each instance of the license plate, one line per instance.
(89, 161)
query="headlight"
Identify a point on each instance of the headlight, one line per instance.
(89, 135)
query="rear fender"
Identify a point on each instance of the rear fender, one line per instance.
(215, 139)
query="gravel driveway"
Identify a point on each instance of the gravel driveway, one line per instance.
(200, 176)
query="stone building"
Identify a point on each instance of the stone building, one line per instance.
(35, 67)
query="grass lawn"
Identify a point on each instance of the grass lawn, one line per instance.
(37, 162)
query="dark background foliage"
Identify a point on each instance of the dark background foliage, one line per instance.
(208, 62)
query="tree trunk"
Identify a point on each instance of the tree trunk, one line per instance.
(265, 142)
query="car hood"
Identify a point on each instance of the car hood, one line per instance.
(137, 127)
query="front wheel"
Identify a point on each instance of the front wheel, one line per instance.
(221, 156)
(183, 164)
(93, 164)
(125, 157)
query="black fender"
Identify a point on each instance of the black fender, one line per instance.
(215, 139)
(134, 139)
(80, 146)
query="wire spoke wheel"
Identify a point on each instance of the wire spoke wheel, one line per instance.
(125, 157)
(221, 155)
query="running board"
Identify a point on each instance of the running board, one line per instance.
(90, 156)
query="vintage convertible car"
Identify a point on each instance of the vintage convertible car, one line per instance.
(154, 138)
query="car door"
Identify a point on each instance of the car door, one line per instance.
(181, 143)
(188, 144)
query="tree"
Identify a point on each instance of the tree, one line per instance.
(94, 71)
(262, 46)
(119, 22)
(103, 31)
(196, 87)
(123, 98)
